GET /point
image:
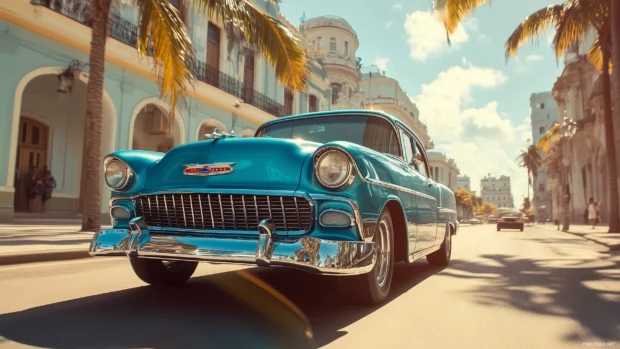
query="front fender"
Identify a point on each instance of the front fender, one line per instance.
(139, 162)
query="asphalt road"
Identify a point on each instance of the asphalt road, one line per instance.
(508, 289)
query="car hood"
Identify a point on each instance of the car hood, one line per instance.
(257, 163)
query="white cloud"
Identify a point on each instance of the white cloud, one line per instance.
(381, 63)
(426, 35)
(484, 38)
(532, 58)
(397, 7)
(388, 25)
(480, 139)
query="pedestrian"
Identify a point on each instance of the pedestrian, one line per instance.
(49, 183)
(592, 212)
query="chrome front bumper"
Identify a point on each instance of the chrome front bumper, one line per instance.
(308, 253)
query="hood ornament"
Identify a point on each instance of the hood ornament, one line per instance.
(217, 135)
(219, 168)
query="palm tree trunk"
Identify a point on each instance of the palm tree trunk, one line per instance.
(614, 222)
(615, 114)
(91, 167)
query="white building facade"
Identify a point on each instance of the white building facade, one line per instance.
(442, 169)
(543, 115)
(463, 182)
(580, 164)
(497, 191)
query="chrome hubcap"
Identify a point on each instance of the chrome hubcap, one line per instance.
(382, 243)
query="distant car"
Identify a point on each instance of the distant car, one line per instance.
(474, 221)
(508, 218)
(335, 193)
(492, 219)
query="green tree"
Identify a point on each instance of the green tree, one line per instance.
(530, 160)
(525, 207)
(161, 27)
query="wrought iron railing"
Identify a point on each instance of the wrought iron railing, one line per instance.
(127, 33)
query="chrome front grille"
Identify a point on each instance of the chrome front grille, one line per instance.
(224, 211)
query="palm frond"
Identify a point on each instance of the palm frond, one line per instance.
(573, 26)
(161, 26)
(452, 12)
(595, 56)
(281, 48)
(533, 27)
(550, 138)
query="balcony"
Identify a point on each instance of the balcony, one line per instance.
(127, 33)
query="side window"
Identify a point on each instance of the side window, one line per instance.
(423, 166)
(407, 147)
(379, 135)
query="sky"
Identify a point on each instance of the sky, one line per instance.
(474, 102)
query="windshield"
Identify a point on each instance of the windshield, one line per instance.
(502, 213)
(370, 131)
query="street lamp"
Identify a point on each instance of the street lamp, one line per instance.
(68, 76)
(567, 131)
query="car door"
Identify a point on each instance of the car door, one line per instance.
(409, 198)
(427, 204)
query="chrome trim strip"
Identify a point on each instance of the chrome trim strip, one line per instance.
(446, 210)
(202, 215)
(307, 253)
(399, 188)
(351, 219)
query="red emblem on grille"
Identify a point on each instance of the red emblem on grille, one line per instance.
(209, 169)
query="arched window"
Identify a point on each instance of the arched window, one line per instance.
(346, 48)
(332, 44)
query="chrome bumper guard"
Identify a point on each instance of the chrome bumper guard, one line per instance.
(308, 253)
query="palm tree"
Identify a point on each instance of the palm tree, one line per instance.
(572, 20)
(162, 30)
(615, 57)
(530, 160)
(577, 16)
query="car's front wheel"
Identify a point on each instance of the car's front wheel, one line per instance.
(373, 288)
(157, 272)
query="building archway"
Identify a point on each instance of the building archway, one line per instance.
(208, 126)
(151, 127)
(48, 131)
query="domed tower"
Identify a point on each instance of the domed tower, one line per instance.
(335, 37)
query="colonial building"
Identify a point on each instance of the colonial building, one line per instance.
(579, 160)
(42, 121)
(497, 191)
(384, 93)
(463, 182)
(336, 44)
(543, 115)
(442, 169)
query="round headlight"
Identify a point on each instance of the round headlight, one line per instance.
(116, 174)
(333, 169)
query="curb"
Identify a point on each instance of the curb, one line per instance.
(614, 247)
(43, 256)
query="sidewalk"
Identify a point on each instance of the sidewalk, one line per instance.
(38, 243)
(598, 235)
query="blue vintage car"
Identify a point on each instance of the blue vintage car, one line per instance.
(338, 192)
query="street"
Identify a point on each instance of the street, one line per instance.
(533, 289)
